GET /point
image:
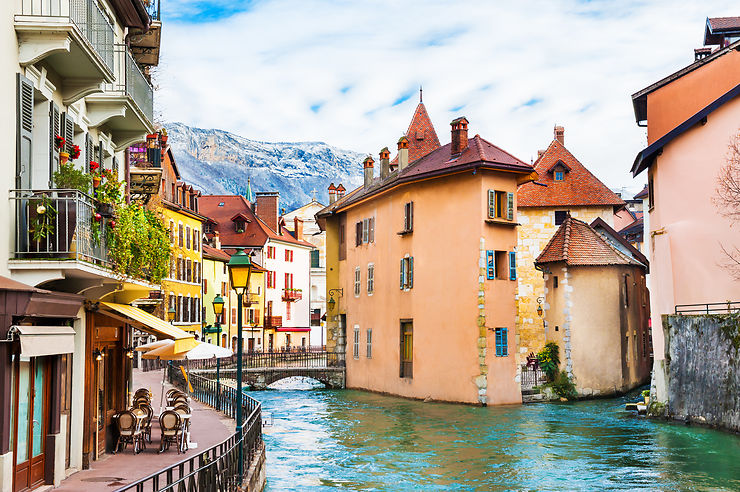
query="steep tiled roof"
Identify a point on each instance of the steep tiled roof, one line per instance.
(215, 253)
(724, 23)
(579, 187)
(576, 243)
(256, 233)
(643, 193)
(421, 135)
(479, 153)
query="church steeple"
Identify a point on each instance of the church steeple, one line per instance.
(421, 134)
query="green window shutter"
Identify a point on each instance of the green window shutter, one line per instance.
(403, 276)
(512, 265)
(411, 272)
(25, 130)
(54, 130)
(411, 216)
(491, 204)
(114, 167)
(510, 206)
(68, 127)
(490, 265)
(88, 152)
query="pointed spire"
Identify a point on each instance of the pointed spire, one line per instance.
(421, 94)
(250, 198)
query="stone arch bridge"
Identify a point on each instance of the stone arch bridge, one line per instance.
(259, 378)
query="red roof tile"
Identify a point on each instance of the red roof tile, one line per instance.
(576, 243)
(579, 186)
(421, 135)
(256, 233)
(215, 253)
(724, 23)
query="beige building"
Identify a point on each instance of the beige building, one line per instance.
(597, 309)
(564, 186)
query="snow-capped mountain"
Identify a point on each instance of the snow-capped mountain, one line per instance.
(219, 162)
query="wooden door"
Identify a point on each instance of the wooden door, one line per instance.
(29, 427)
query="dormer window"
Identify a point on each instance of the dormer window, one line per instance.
(559, 175)
(220, 204)
(240, 225)
(558, 171)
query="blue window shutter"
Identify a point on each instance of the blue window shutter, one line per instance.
(402, 275)
(504, 341)
(510, 206)
(512, 265)
(490, 265)
(498, 342)
(411, 272)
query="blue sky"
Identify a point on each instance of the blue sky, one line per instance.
(348, 72)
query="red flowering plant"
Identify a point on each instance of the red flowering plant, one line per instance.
(59, 142)
(75, 152)
(93, 166)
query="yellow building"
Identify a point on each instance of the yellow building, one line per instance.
(216, 282)
(182, 287)
(253, 306)
(564, 188)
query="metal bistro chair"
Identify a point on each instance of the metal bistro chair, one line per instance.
(180, 400)
(142, 392)
(146, 427)
(182, 410)
(129, 432)
(171, 425)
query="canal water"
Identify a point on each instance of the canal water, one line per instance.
(330, 439)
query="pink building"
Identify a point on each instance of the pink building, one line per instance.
(691, 117)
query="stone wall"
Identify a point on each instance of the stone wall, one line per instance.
(536, 229)
(702, 370)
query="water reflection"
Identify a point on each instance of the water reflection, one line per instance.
(359, 441)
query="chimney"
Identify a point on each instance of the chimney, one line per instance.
(385, 163)
(266, 207)
(216, 240)
(459, 135)
(560, 134)
(332, 194)
(539, 153)
(403, 153)
(298, 228)
(340, 191)
(367, 166)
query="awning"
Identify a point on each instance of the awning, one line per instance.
(45, 340)
(151, 324)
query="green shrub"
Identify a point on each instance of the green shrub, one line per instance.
(68, 177)
(549, 360)
(563, 386)
(139, 243)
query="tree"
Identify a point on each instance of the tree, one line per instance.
(727, 200)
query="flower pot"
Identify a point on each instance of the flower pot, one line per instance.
(63, 157)
(105, 209)
(96, 181)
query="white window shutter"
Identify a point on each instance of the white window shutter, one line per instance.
(510, 206)
(491, 204)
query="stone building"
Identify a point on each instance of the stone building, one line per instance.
(564, 187)
(597, 308)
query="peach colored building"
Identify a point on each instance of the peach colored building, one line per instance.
(597, 308)
(420, 264)
(691, 116)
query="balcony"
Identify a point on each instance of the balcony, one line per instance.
(145, 45)
(73, 37)
(126, 107)
(67, 253)
(272, 322)
(250, 298)
(292, 295)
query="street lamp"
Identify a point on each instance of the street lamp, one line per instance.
(218, 309)
(331, 302)
(171, 315)
(240, 269)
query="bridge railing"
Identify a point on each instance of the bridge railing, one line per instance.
(251, 360)
(215, 469)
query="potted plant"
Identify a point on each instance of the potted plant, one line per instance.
(646, 396)
(109, 193)
(163, 136)
(59, 143)
(75, 154)
(42, 224)
(67, 177)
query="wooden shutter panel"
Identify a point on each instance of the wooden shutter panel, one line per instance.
(504, 341)
(25, 132)
(491, 204)
(372, 229)
(411, 216)
(510, 206)
(490, 265)
(68, 127)
(403, 276)
(88, 152)
(411, 272)
(358, 234)
(406, 217)
(512, 265)
(54, 130)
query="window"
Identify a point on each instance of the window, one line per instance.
(180, 235)
(555, 282)
(239, 225)
(502, 343)
(189, 271)
(233, 316)
(369, 343)
(270, 280)
(626, 292)
(365, 231)
(358, 233)
(407, 272)
(559, 175)
(271, 252)
(315, 258)
(651, 193)
(205, 286)
(356, 344)
(172, 232)
(500, 205)
(408, 217)
(289, 255)
(560, 216)
(357, 282)
(371, 228)
(490, 264)
(497, 265)
(407, 349)
(370, 279)
(196, 239)
(288, 280)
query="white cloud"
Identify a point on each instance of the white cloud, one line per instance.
(331, 71)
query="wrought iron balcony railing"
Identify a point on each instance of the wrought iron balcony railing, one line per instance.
(57, 224)
(273, 322)
(85, 14)
(292, 295)
(131, 82)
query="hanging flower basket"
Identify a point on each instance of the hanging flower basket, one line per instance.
(96, 181)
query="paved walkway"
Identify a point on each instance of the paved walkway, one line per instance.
(208, 427)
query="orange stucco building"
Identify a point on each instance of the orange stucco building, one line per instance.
(691, 117)
(421, 268)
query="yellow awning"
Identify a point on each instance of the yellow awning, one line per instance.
(151, 324)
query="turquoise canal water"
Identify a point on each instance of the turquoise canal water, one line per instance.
(328, 439)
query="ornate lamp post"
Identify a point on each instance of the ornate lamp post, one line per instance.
(218, 309)
(240, 269)
(171, 313)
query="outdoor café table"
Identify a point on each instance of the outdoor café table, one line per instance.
(185, 436)
(140, 416)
